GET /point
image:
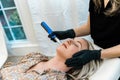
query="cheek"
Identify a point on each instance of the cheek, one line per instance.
(71, 51)
(67, 53)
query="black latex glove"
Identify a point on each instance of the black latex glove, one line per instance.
(82, 57)
(62, 34)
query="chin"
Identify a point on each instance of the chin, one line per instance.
(59, 50)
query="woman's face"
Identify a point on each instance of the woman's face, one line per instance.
(70, 47)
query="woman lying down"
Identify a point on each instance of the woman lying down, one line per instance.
(36, 66)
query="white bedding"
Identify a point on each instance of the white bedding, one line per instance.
(109, 70)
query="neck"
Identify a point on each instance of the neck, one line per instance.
(58, 63)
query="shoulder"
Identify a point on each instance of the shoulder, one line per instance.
(33, 56)
(24, 64)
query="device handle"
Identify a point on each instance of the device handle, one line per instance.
(47, 28)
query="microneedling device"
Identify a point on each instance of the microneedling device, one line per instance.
(49, 30)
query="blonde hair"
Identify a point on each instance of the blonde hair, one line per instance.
(112, 11)
(85, 72)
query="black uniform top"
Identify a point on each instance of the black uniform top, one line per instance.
(105, 30)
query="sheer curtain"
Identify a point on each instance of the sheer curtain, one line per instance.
(60, 15)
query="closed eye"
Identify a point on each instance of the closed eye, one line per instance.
(80, 43)
(75, 44)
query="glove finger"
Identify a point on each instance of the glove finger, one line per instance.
(60, 34)
(80, 53)
(77, 54)
(57, 33)
(53, 39)
(51, 35)
(69, 62)
(73, 62)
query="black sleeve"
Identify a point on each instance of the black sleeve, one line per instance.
(91, 5)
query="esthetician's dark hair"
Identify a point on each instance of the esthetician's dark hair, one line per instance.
(113, 11)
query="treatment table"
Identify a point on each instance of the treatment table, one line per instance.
(109, 70)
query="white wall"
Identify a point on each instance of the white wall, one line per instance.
(60, 15)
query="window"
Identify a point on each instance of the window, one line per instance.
(19, 41)
(10, 21)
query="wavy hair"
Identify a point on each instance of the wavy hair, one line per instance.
(115, 9)
(87, 70)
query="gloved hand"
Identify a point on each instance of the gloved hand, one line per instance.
(62, 34)
(82, 57)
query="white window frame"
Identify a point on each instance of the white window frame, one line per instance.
(22, 47)
(9, 26)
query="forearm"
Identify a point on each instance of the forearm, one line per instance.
(111, 52)
(84, 29)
